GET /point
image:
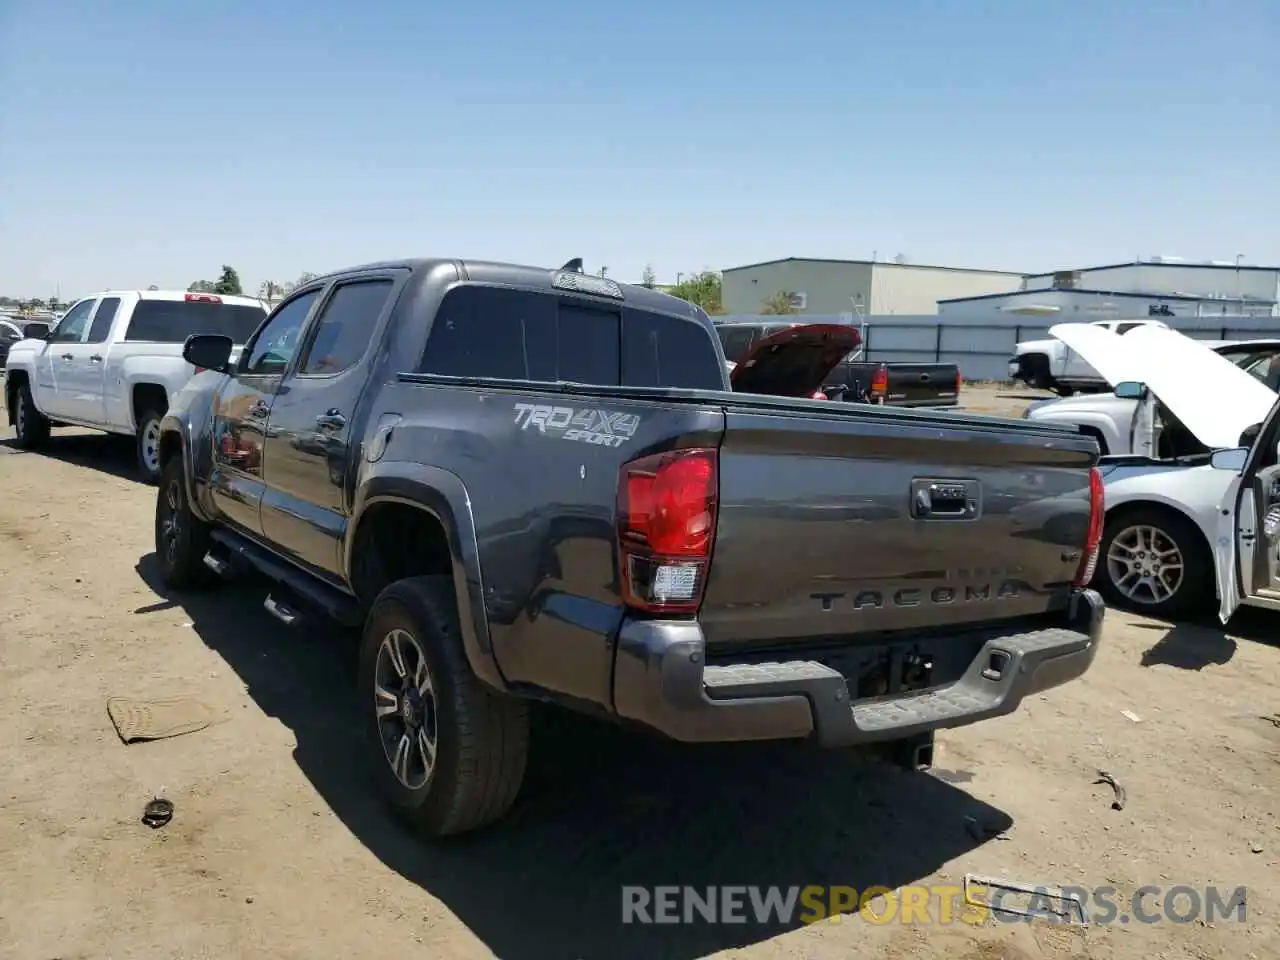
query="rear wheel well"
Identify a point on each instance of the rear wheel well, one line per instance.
(12, 381)
(394, 541)
(148, 396)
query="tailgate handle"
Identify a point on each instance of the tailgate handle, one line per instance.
(940, 499)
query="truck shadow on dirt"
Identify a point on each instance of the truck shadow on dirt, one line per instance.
(602, 808)
(107, 453)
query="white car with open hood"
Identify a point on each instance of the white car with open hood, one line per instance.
(1179, 529)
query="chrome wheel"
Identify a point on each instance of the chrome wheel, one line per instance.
(150, 446)
(405, 705)
(1145, 564)
(171, 522)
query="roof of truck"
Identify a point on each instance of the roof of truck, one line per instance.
(490, 271)
(232, 298)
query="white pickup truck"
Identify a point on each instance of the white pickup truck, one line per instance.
(113, 362)
(1051, 365)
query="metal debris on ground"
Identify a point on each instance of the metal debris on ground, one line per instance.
(157, 812)
(1119, 801)
(1038, 902)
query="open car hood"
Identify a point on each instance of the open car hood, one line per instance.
(794, 362)
(1210, 395)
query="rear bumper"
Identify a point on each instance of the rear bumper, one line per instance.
(661, 680)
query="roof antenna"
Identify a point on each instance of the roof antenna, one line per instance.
(574, 265)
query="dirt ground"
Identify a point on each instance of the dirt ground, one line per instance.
(279, 848)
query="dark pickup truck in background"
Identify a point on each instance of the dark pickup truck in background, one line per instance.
(838, 377)
(531, 484)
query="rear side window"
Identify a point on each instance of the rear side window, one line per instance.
(489, 332)
(662, 351)
(172, 321)
(346, 326)
(102, 319)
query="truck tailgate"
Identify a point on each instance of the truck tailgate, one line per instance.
(921, 384)
(832, 526)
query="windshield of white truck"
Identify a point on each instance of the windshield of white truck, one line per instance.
(172, 321)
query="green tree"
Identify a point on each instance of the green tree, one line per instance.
(648, 278)
(779, 304)
(229, 282)
(702, 290)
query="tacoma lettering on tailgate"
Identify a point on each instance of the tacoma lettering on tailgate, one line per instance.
(584, 424)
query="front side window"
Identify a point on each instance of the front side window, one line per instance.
(70, 328)
(278, 339)
(102, 319)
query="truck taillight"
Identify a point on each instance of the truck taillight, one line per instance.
(879, 385)
(1097, 513)
(666, 526)
(958, 380)
(202, 298)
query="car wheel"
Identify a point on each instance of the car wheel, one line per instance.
(1155, 561)
(182, 538)
(448, 752)
(149, 446)
(29, 424)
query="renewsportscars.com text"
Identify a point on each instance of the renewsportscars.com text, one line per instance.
(940, 904)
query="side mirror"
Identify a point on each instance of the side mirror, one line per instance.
(208, 351)
(1131, 390)
(37, 330)
(1249, 436)
(1232, 460)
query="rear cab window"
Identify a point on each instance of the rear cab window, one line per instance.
(524, 335)
(172, 321)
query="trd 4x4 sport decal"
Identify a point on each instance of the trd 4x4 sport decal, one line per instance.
(584, 424)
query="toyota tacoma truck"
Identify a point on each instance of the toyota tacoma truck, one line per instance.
(524, 484)
(113, 362)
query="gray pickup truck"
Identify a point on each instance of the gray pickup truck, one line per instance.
(533, 484)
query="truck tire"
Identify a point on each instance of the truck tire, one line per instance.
(29, 424)
(148, 444)
(182, 538)
(447, 752)
(1169, 548)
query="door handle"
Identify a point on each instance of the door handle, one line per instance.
(96, 358)
(66, 356)
(259, 410)
(331, 420)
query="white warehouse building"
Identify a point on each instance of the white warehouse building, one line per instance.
(1159, 287)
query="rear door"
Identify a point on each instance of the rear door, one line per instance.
(242, 406)
(90, 363)
(314, 417)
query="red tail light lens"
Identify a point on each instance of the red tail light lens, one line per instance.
(1097, 513)
(958, 380)
(202, 298)
(879, 385)
(818, 395)
(666, 525)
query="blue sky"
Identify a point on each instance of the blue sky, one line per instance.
(149, 142)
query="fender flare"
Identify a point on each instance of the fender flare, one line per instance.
(180, 424)
(443, 495)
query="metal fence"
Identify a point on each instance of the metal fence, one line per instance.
(981, 348)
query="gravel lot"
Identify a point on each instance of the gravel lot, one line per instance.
(279, 849)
